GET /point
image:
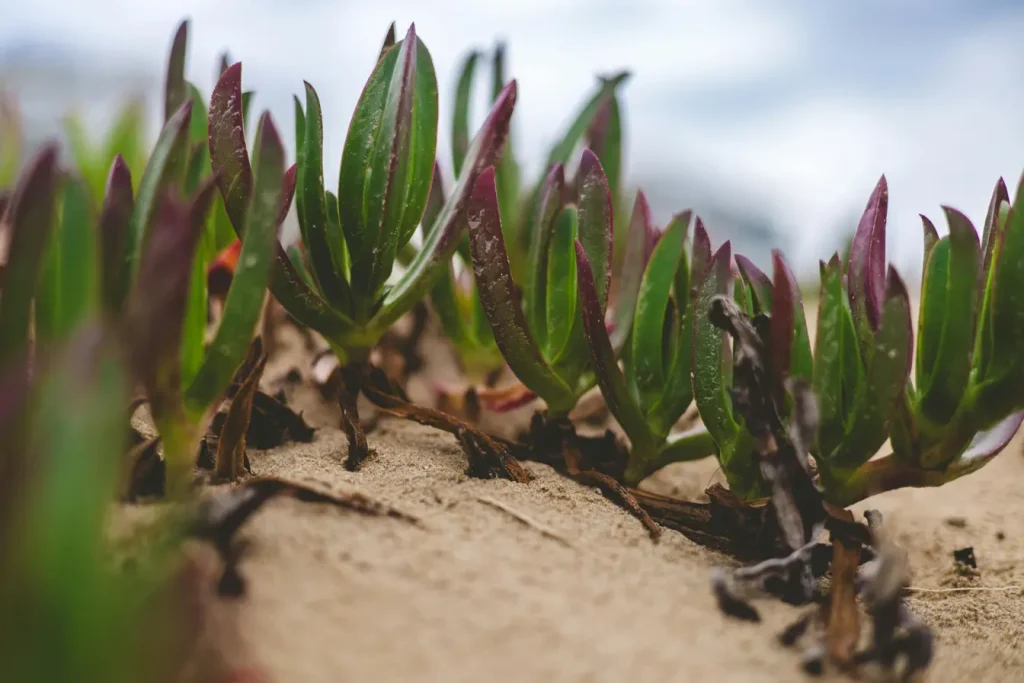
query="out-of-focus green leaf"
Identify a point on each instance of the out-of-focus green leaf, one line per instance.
(10, 141)
(70, 285)
(834, 332)
(759, 284)
(561, 152)
(548, 211)
(460, 121)
(175, 86)
(114, 225)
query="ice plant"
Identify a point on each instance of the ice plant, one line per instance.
(541, 337)
(351, 238)
(655, 390)
(92, 160)
(965, 401)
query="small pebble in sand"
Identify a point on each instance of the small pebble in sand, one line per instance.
(956, 522)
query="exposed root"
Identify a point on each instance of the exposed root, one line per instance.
(221, 516)
(488, 458)
(348, 393)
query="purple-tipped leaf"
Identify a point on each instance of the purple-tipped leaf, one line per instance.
(389, 41)
(759, 283)
(640, 240)
(114, 228)
(30, 222)
(606, 369)
(175, 87)
(865, 277)
(499, 299)
(791, 346)
(985, 445)
(701, 253)
(229, 157)
(595, 206)
(155, 311)
(931, 238)
(999, 195)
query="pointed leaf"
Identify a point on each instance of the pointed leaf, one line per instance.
(230, 159)
(634, 263)
(323, 238)
(831, 372)
(68, 290)
(604, 138)
(885, 381)
(544, 224)
(701, 253)
(389, 41)
(931, 313)
(791, 345)
(999, 195)
(759, 284)
(30, 225)
(709, 388)
(460, 121)
(165, 169)
(647, 358)
(175, 87)
(497, 292)
(947, 380)
(114, 225)
(865, 276)
(1007, 308)
(155, 311)
(595, 231)
(446, 231)
(387, 163)
(560, 290)
(931, 238)
(248, 287)
(609, 377)
(561, 153)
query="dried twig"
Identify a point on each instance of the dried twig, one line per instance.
(528, 521)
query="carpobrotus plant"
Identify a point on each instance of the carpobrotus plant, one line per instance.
(352, 238)
(966, 400)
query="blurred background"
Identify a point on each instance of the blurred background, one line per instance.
(772, 119)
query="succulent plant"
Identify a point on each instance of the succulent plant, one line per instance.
(655, 312)
(542, 337)
(964, 403)
(338, 283)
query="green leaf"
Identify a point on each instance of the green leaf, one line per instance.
(387, 163)
(175, 87)
(831, 373)
(460, 121)
(639, 234)
(948, 378)
(68, 292)
(193, 331)
(230, 159)
(389, 41)
(165, 168)
(497, 293)
(646, 369)
(1008, 296)
(548, 210)
(595, 221)
(300, 128)
(931, 238)
(885, 382)
(757, 282)
(446, 232)
(604, 138)
(609, 377)
(323, 238)
(562, 151)
(30, 216)
(711, 392)
(561, 284)
(248, 286)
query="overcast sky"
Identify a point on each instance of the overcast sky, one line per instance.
(793, 107)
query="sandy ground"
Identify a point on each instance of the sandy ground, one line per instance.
(580, 593)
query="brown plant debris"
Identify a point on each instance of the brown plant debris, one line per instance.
(221, 515)
(230, 460)
(488, 457)
(525, 519)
